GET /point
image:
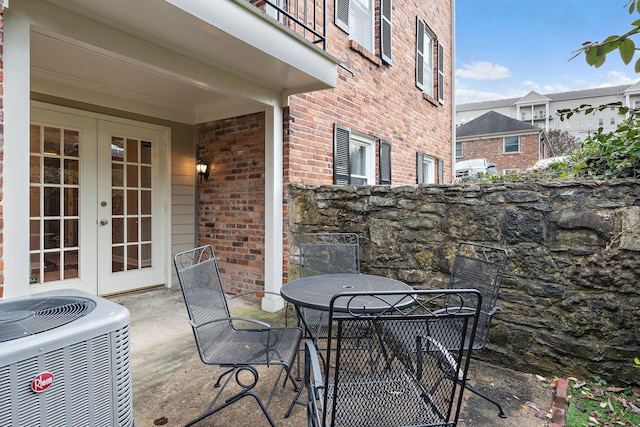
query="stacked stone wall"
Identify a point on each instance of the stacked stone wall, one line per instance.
(570, 299)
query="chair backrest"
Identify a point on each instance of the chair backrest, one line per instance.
(203, 295)
(386, 368)
(325, 253)
(480, 267)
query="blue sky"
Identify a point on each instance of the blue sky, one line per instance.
(507, 48)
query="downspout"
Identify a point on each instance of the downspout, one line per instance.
(453, 89)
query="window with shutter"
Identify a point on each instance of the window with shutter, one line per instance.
(354, 157)
(385, 162)
(428, 61)
(385, 31)
(440, 171)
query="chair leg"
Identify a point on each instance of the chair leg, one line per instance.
(228, 402)
(246, 387)
(222, 375)
(484, 396)
(295, 401)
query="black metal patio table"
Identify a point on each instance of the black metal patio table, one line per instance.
(315, 292)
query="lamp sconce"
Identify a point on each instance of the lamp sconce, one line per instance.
(202, 169)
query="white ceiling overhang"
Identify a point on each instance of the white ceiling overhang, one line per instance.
(183, 60)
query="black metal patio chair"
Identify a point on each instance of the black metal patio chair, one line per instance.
(326, 253)
(361, 385)
(478, 267)
(221, 343)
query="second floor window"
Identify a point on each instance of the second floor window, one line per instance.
(356, 18)
(429, 54)
(511, 144)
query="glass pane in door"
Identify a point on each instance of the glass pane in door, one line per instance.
(54, 199)
(131, 204)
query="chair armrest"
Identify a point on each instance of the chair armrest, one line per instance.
(311, 355)
(455, 309)
(259, 293)
(314, 383)
(226, 319)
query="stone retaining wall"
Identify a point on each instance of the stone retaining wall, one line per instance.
(570, 300)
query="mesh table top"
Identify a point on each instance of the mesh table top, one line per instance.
(316, 292)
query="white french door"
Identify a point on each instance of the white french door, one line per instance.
(97, 197)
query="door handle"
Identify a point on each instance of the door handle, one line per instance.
(104, 221)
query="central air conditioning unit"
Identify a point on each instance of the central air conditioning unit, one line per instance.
(64, 361)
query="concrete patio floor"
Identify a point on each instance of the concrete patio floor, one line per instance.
(171, 383)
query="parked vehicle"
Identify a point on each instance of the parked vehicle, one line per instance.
(475, 168)
(545, 163)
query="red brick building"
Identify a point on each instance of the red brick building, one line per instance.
(260, 93)
(510, 144)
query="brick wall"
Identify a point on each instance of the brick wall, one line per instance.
(492, 149)
(231, 202)
(380, 100)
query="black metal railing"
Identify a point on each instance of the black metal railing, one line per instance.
(306, 18)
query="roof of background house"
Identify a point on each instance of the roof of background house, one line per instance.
(491, 123)
(561, 96)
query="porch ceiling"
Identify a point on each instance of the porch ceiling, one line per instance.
(233, 39)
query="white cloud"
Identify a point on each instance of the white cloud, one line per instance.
(464, 95)
(620, 78)
(483, 70)
(542, 89)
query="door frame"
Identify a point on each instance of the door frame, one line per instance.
(164, 175)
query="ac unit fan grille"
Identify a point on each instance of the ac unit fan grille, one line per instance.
(21, 318)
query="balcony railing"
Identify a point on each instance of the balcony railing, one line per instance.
(306, 18)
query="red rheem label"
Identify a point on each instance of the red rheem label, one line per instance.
(42, 382)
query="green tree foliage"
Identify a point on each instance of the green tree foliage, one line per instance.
(596, 52)
(614, 154)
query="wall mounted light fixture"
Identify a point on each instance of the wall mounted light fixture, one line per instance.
(202, 169)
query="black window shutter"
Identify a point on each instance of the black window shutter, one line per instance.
(385, 31)
(440, 171)
(440, 73)
(420, 27)
(341, 168)
(341, 14)
(385, 162)
(419, 168)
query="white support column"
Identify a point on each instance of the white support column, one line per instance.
(273, 208)
(15, 247)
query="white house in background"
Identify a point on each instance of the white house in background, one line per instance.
(542, 110)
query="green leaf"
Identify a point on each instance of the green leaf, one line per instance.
(592, 56)
(636, 67)
(627, 49)
(610, 39)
